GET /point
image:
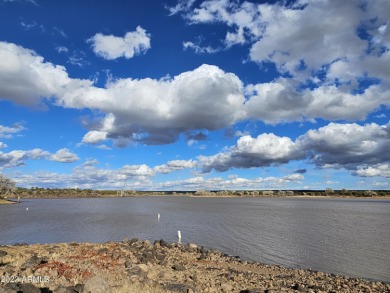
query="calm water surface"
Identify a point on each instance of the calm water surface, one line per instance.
(344, 236)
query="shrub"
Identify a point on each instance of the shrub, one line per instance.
(7, 186)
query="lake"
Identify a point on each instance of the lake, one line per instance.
(344, 236)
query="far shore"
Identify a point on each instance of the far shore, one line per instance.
(75, 196)
(35, 192)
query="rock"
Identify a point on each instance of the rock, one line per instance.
(128, 264)
(3, 253)
(178, 267)
(96, 284)
(202, 257)
(102, 251)
(29, 288)
(160, 256)
(140, 270)
(9, 288)
(191, 247)
(33, 261)
(166, 275)
(65, 290)
(203, 250)
(152, 275)
(147, 257)
(182, 288)
(226, 287)
(163, 243)
(79, 288)
(254, 290)
(132, 241)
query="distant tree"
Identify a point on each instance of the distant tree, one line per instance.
(268, 192)
(7, 186)
(329, 191)
(370, 193)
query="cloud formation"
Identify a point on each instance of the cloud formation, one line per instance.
(26, 79)
(17, 158)
(111, 47)
(265, 150)
(64, 156)
(155, 111)
(349, 146)
(290, 35)
(8, 132)
(361, 149)
(139, 177)
(283, 101)
(200, 49)
(174, 165)
(177, 105)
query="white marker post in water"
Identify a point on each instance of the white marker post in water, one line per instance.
(158, 217)
(179, 235)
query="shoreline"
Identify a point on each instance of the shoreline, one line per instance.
(7, 201)
(127, 265)
(13, 200)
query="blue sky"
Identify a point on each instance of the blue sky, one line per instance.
(188, 95)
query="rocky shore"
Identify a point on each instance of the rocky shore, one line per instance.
(140, 266)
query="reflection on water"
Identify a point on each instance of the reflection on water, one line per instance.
(345, 236)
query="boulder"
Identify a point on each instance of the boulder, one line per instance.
(33, 261)
(191, 247)
(139, 270)
(97, 284)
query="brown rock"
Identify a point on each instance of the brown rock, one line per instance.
(97, 284)
(178, 267)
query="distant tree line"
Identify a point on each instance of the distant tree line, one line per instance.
(8, 188)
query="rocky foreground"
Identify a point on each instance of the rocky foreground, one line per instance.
(139, 266)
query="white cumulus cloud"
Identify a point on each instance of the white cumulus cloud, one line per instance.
(27, 79)
(282, 101)
(361, 149)
(111, 47)
(265, 150)
(155, 111)
(174, 165)
(64, 156)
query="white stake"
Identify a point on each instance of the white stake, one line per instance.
(158, 217)
(26, 209)
(179, 235)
